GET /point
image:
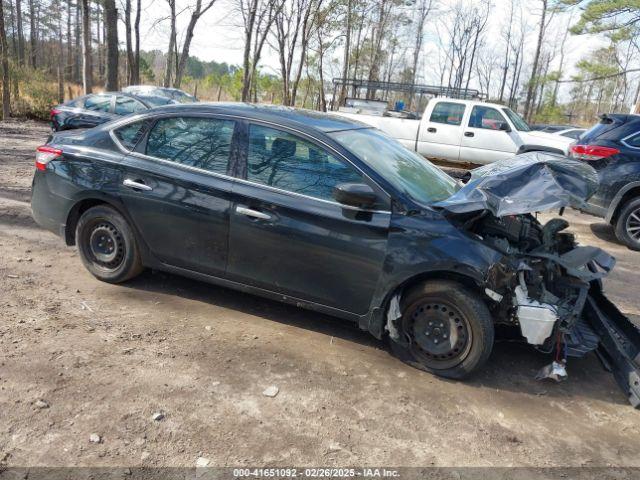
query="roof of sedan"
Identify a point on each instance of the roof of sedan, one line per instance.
(287, 116)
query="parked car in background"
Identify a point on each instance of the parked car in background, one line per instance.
(328, 214)
(465, 131)
(612, 147)
(176, 94)
(97, 108)
(573, 132)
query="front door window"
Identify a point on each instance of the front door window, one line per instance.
(279, 159)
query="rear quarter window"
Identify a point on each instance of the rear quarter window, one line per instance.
(447, 112)
(129, 135)
(633, 140)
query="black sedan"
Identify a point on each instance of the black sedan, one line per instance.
(331, 215)
(95, 109)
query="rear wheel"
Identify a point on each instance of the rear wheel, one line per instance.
(107, 245)
(628, 224)
(445, 329)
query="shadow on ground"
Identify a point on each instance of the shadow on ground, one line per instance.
(511, 368)
(605, 231)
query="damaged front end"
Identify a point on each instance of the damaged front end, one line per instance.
(546, 284)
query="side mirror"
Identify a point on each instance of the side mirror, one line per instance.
(358, 195)
(504, 126)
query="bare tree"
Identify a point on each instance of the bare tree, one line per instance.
(172, 45)
(347, 50)
(380, 28)
(32, 34)
(4, 60)
(507, 53)
(422, 12)
(465, 34)
(60, 67)
(128, 41)
(19, 31)
(111, 25)
(136, 29)
(528, 110)
(198, 11)
(293, 28)
(257, 17)
(87, 65)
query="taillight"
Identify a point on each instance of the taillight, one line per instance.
(45, 154)
(592, 152)
(54, 112)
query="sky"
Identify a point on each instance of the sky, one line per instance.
(218, 35)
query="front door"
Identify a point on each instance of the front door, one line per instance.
(483, 141)
(290, 236)
(176, 189)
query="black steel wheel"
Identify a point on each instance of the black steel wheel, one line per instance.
(445, 329)
(107, 245)
(440, 335)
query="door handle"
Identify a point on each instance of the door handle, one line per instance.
(431, 130)
(136, 184)
(468, 134)
(252, 213)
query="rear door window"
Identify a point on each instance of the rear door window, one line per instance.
(203, 143)
(98, 103)
(279, 159)
(486, 117)
(127, 105)
(447, 112)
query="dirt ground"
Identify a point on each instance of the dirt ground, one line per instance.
(80, 357)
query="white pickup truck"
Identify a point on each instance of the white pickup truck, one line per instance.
(465, 131)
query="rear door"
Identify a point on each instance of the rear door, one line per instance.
(440, 133)
(290, 236)
(177, 190)
(483, 141)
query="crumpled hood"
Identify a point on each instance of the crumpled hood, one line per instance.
(527, 183)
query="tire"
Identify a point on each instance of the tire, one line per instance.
(445, 329)
(628, 224)
(107, 245)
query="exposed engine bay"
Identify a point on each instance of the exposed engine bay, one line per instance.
(546, 284)
(542, 283)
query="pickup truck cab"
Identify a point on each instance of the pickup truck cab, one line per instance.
(465, 131)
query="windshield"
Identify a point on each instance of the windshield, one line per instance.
(517, 120)
(402, 168)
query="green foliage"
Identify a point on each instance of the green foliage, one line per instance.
(146, 73)
(37, 93)
(606, 15)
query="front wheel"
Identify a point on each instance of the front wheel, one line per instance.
(445, 329)
(107, 245)
(628, 224)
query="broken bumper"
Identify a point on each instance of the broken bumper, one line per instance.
(619, 343)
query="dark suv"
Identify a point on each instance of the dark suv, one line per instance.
(331, 215)
(612, 147)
